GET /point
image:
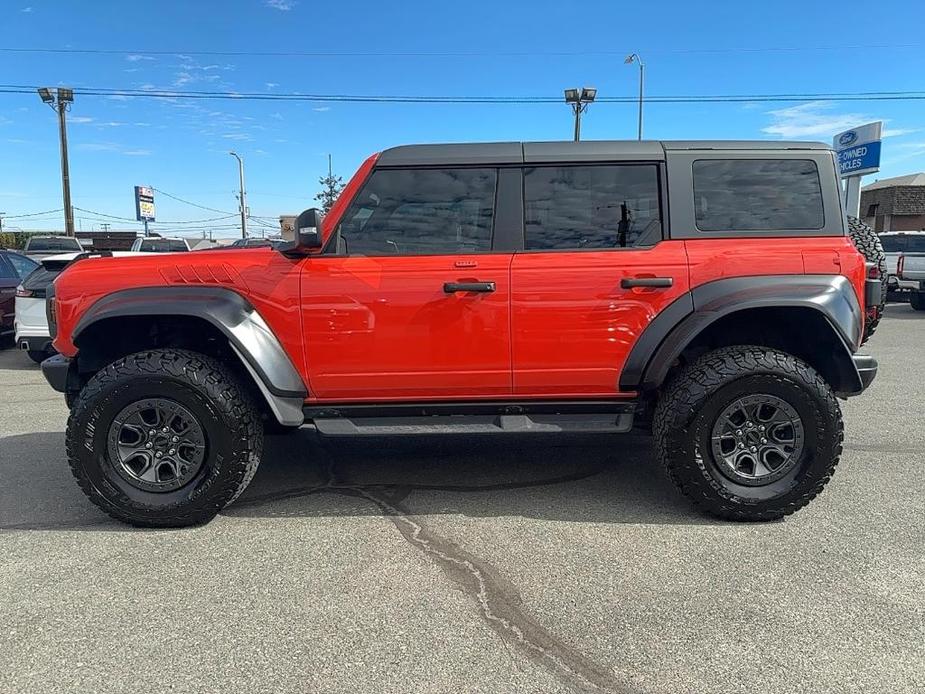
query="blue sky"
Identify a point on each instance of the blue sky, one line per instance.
(532, 48)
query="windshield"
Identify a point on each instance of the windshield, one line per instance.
(162, 245)
(62, 243)
(903, 243)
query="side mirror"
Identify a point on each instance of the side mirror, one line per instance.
(308, 230)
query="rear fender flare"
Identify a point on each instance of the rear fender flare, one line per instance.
(666, 337)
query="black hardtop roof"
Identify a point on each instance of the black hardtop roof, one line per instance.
(462, 154)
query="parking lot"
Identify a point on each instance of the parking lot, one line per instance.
(471, 565)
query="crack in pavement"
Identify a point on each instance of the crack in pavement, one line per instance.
(498, 602)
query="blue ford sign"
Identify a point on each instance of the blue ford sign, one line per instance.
(858, 149)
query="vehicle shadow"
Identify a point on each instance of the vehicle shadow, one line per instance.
(12, 359)
(596, 479)
(903, 312)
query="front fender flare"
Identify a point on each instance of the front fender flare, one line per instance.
(248, 334)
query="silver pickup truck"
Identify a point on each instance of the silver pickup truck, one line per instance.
(911, 268)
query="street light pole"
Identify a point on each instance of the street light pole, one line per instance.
(579, 100)
(65, 98)
(242, 195)
(642, 78)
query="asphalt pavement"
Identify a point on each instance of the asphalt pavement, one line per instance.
(471, 564)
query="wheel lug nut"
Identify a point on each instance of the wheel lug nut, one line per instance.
(164, 430)
(763, 440)
(753, 449)
(761, 428)
(738, 432)
(153, 432)
(171, 451)
(749, 425)
(148, 445)
(175, 439)
(158, 454)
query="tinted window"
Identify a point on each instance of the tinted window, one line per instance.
(41, 278)
(915, 243)
(424, 211)
(162, 245)
(61, 243)
(893, 243)
(22, 265)
(6, 270)
(757, 195)
(591, 206)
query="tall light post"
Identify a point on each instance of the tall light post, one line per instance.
(65, 99)
(634, 57)
(579, 99)
(242, 196)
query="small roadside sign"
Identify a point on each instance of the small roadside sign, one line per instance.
(144, 204)
(858, 149)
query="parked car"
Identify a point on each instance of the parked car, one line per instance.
(684, 287)
(30, 323)
(14, 267)
(38, 247)
(895, 243)
(912, 270)
(160, 244)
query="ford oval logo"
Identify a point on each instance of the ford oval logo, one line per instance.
(846, 139)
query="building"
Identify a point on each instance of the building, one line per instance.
(895, 204)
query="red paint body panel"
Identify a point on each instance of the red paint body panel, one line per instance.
(573, 326)
(266, 278)
(382, 327)
(332, 219)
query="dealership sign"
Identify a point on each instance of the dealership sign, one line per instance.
(144, 204)
(858, 149)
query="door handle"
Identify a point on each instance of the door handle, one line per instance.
(453, 287)
(630, 282)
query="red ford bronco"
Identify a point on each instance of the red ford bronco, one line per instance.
(707, 291)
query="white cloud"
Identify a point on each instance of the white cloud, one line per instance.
(276, 116)
(137, 152)
(119, 97)
(148, 87)
(818, 119)
(321, 109)
(182, 78)
(812, 119)
(98, 146)
(135, 57)
(80, 119)
(26, 10)
(272, 85)
(282, 5)
(237, 136)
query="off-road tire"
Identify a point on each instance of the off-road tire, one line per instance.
(691, 403)
(868, 243)
(225, 412)
(917, 301)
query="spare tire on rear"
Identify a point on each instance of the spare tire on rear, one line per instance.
(868, 243)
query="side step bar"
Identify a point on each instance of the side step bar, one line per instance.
(472, 418)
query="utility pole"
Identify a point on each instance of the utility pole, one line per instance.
(242, 195)
(1, 221)
(105, 226)
(65, 99)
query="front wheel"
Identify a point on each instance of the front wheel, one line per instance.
(749, 433)
(163, 438)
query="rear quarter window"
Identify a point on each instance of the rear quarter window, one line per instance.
(757, 195)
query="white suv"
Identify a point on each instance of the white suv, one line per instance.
(160, 244)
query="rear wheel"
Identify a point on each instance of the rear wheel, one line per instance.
(868, 243)
(37, 355)
(749, 433)
(164, 438)
(917, 301)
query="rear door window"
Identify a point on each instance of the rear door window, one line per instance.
(591, 207)
(757, 195)
(421, 212)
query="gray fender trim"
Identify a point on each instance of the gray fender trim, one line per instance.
(247, 332)
(671, 331)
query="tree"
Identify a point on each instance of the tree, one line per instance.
(331, 187)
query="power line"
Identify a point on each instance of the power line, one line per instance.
(129, 219)
(32, 214)
(909, 95)
(193, 204)
(460, 54)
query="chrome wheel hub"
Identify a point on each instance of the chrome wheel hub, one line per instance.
(757, 439)
(156, 444)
